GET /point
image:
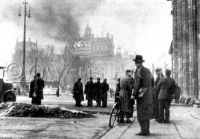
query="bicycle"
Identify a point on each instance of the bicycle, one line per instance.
(115, 113)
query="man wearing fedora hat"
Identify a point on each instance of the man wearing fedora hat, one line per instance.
(142, 93)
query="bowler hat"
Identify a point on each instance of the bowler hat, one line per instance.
(138, 59)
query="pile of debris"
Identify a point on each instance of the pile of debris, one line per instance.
(28, 110)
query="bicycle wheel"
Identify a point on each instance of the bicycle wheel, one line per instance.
(114, 115)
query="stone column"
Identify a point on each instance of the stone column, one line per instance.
(191, 36)
(175, 47)
(180, 43)
(198, 43)
(187, 47)
(195, 48)
(184, 46)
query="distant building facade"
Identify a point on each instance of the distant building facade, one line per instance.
(104, 62)
(31, 52)
(185, 45)
(90, 46)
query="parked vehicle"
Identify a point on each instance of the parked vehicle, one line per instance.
(6, 92)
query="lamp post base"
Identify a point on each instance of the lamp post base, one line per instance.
(23, 85)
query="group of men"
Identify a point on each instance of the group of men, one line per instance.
(153, 98)
(94, 91)
(164, 91)
(36, 89)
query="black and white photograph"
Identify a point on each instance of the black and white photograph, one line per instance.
(99, 69)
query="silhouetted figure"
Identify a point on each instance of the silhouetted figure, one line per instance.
(117, 89)
(104, 96)
(97, 92)
(89, 91)
(32, 93)
(78, 92)
(39, 86)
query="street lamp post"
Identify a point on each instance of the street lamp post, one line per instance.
(23, 75)
(35, 65)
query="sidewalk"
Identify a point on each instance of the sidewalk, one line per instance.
(183, 126)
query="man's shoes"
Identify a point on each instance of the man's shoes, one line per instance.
(160, 121)
(143, 134)
(121, 121)
(128, 121)
(166, 121)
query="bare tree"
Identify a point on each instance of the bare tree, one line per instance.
(45, 59)
(65, 65)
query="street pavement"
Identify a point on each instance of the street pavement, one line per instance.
(185, 124)
(49, 128)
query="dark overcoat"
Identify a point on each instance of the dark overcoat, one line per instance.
(104, 89)
(89, 87)
(97, 91)
(39, 86)
(143, 79)
(126, 86)
(32, 87)
(78, 91)
(117, 91)
(166, 88)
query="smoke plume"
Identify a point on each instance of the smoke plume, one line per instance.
(59, 20)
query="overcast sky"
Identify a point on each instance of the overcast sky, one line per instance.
(138, 26)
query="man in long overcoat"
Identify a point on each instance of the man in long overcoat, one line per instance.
(126, 86)
(104, 96)
(78, 92)
(166, 89)
(89, 88)
(32, 91)
(117, 89)
(143, 94)
(97, 92)
(39, 86)
(155, 94)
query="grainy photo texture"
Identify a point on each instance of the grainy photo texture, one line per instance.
(100, 69)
